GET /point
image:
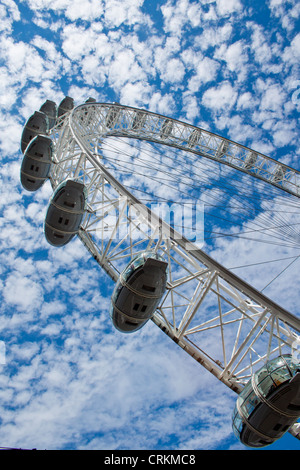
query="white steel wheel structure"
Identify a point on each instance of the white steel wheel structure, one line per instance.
(225, 324)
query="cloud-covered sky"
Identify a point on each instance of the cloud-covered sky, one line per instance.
(229, 66)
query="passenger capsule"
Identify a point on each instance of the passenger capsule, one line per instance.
(166, 129)
(279, 174)
(139, 120)
(36, 124)
(65, 213)
(50, 109)
(222, 149)
(138, 292)
(269, 404)
(250, 160)
(66, 105)
(112, 117)
(88, 112)
(36, 162)
(194, 138)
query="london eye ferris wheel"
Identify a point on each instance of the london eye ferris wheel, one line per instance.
(98, 158)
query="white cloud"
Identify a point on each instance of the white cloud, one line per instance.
(174, 71)
(34, 213)
(13, 9)
(88, 10)
(236, 58)
(52, 329)
(268, 54)
(10, 134)
(246, 100)
(191, 107)
(238, 130)
(81, 94)
(36, 96)
(286, 12)
(48, 4)
(175, 16)
(283, 134)
(22, 292)
(226, 7)
(9, 12)
(26, 351)
(213, 35)
(47, 46)
(205, 71)
(162, 104)
(136, 94)
(119, 12)
(77, 41)
(124, 68)
(220, 98)
(292, 52)
(19, 58)
(194, 14)
(273, 98)
(170, 68)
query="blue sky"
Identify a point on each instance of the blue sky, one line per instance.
(229, 66)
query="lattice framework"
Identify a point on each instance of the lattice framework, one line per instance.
(222, 322)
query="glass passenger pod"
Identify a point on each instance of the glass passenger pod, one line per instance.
(36, 162)
(112, 117)
(166, 129)
(65, 213)
(138, 291)
(50, 109)
(139, 120)
(66, 105)
(91, 100)
(194, 138)
(269, 404)
(222, 149)
(36, 124)
(279, 174)
(87, 112)
(250, 160)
